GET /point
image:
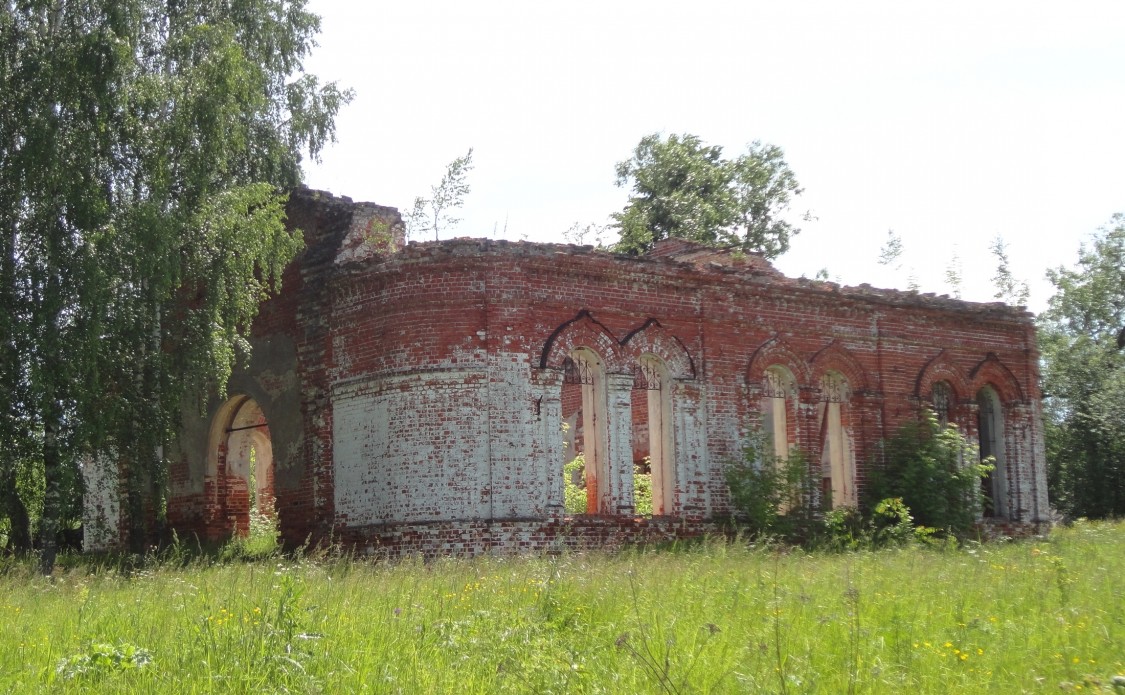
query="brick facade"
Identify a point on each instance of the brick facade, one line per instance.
(414, 398)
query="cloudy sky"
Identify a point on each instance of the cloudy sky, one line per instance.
(950, 123)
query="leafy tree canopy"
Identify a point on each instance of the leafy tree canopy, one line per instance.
(684, 188)
(145, 147)
(1082, 337)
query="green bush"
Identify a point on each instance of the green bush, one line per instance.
(574, 485)
(851, 528)
(779, 498)
(773, 496)
(845, 528)
(934, 470)
(891, 522)
(642, 490)
(574, 488)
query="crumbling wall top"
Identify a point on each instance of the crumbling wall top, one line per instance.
(376, 235)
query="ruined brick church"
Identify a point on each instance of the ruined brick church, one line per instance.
(425, 397)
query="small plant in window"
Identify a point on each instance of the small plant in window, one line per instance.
(642, 488)
(574, 485)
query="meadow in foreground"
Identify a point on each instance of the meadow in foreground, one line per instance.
(715, 617)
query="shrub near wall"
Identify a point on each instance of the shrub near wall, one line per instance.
(929, 478)
(936, 472)
(773, 496)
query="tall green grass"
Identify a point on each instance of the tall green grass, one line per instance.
(712, 617)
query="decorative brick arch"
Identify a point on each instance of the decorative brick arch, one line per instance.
(776, 351)
(239, 430)
(652, 338)
(942, 368)
(992, 372)
(582, 331)
(836, 358)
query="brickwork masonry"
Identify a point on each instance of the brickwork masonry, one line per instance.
(420, 388)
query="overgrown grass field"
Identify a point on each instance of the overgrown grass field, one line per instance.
(714, 617)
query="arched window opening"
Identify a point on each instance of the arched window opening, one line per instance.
(245, 469)
(584, 408)
(990, 428)
(942, 402)
(653, 437)
(779, 390)
(837, 454)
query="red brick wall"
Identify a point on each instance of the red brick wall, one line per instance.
(444, 359)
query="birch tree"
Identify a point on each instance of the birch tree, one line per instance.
(147, 147)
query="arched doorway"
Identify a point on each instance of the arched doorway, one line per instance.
(241, 461)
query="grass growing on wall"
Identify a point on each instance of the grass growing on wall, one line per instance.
(713, 617)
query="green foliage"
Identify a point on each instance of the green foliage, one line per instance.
(262, 541)
(714, 617)
(892, 523)
(934, 471)
(1008, 288)
(103, 659)
(1082, 338)
(642, 489)
(574, 488)
(888, 524)
(891, 252)
(683, 188)
(774, 497)
(954, 275)
(890, 255)
(930, 473)
(845, 528)
(433, 214)
(144, 151)
(574, 485)
(580, 234)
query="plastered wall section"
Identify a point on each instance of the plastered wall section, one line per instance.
(445, 444)
(411, 447)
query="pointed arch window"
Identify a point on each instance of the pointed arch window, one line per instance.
(942, 402)
(653, 393)
(584, 392)
(990, 429)
(837, 452)
(778, 400)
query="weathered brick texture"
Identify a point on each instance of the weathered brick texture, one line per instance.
(415, 396)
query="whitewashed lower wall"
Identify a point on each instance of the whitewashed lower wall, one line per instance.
(411, 448)
(101, 509)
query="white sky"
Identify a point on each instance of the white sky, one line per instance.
(948, 122)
